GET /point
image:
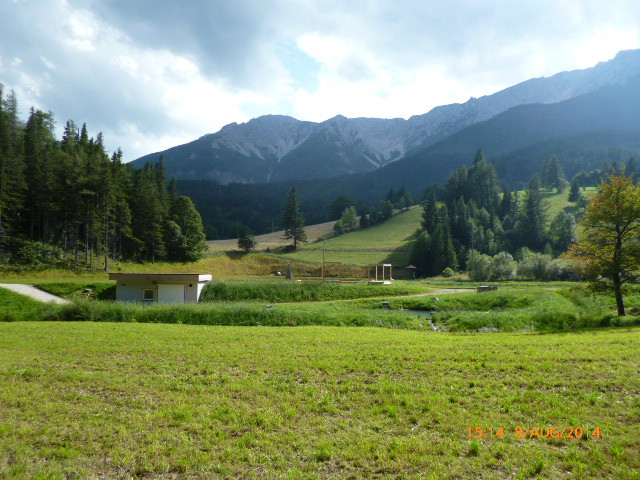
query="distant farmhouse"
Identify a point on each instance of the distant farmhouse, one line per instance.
(150, 288)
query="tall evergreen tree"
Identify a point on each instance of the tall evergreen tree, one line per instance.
(11, 178)
(188, 219)
(293, 219)
(554, 176)
(532, 216)
(574, 192)
(429, 213)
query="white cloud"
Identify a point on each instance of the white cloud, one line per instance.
(153, 74)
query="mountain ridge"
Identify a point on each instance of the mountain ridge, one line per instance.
(280, 148)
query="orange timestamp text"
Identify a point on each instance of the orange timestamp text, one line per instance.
(534, 432)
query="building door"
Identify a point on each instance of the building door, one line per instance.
(171, 293)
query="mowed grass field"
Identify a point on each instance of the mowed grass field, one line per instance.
(273, 240)
(104, 400)
(387, 242)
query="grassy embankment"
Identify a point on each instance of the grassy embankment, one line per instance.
(515, 309)
(103, 400)
(220, 265)
(15, 307)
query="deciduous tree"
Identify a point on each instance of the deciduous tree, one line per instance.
(609, 245)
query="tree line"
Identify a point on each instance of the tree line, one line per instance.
(67, 201)
(477, 214)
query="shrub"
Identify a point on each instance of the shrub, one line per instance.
(247, 242)
(38, 254)
(448, 272)
(479, 266)
(503, 267)
(534, 266)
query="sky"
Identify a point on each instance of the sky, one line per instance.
(152, 74)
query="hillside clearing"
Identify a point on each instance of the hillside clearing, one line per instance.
(273, 240)
(386, 242)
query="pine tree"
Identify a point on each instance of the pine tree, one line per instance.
(39, 146)
(532, 215)
(246, 240)
(148, 212)
(574, 193)
(11, 179)
(293, 219)
(429, 214)
(190, 223)
(553, 175)
(421, 253)
(506, 205)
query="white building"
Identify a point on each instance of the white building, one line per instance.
(159, 287)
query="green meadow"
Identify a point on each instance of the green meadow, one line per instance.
(387, 242)
(127, 400)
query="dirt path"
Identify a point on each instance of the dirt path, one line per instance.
(446, 291)
(33, 292)
(442, 291)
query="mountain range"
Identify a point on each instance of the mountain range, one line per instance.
(275, 148)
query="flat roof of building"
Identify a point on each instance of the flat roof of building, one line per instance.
(163, 277)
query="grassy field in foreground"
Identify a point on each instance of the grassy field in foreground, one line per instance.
(97, 400)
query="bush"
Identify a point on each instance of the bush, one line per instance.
(247, 242)
(283, 291)
(503, 267)
(479, 266)
(448, 272)
(37, 254)
(534, 266)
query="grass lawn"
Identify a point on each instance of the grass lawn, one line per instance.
(16, 307)
(104, 400)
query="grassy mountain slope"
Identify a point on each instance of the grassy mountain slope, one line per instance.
(388, 242)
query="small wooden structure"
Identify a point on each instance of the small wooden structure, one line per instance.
(150, 288)
(412, 271)
(487, 288)
(325, 271)
(379, 274)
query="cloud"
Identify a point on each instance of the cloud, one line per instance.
(151, 74)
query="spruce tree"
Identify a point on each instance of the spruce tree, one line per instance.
(533, 217)
(553, 175)
(574, 192)
(190, 223)
(429, 214)
(11, 179)
(293, 219)
(246, 240)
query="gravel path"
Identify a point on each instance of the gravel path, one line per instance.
(33, 292)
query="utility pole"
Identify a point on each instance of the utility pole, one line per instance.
(324, 246)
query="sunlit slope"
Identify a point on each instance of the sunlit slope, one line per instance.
(389, 241)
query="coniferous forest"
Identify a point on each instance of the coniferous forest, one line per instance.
(477, 218)
(68, 202)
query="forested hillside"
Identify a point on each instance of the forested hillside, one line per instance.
(67, 202)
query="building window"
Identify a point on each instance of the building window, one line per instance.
(148, 295)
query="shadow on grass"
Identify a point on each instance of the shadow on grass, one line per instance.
(236, 254)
